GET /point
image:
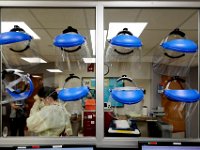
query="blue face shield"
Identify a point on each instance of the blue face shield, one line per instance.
(181, 44)
(73, 93)
(70, 41)
(15, 93)
(127, 95)
(181, 95)
(17, 39)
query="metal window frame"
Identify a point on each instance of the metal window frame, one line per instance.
(198, 71)
(100, 140)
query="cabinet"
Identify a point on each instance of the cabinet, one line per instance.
(89, 121)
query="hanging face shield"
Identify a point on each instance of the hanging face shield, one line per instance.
(180, 95)
(124, 46)
(181, 99)
(127, 95)
(17, 39)
(176, 54)
(18, 86)
(17, 48)
(73, 47)
(73, 93)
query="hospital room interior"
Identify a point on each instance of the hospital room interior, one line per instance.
(150, 77)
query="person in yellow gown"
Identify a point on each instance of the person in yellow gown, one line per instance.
(51, 119)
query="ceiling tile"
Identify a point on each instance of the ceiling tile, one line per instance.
(20, 14)
(61, 18)
(164, 18)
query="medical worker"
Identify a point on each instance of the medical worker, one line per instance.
(17, 118)
(51, 120)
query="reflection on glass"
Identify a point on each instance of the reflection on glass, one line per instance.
(49, 61)
(156, 115)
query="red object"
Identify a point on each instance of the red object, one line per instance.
(108, 117)
(89, 122)
(90, 104)
(35, 146)
(152, 143)
(90, 68)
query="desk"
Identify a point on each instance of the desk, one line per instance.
(144, 118)
(141, 122)
(153, 127)
(143, 125)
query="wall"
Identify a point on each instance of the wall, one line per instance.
(156, 98)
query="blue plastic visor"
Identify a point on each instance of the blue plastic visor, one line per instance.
(73, 94)
(180, 45)
(69, 40)
(126, 41)
(13, 37)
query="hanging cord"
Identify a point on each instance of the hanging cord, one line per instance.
(63, 56)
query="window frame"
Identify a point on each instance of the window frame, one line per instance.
(99, 140)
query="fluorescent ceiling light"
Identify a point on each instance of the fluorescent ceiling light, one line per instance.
(136, 28)
(92, 36)
(33, 59)
(89, 60)
(6, 26)
(16, 70)
(54, 70)
(36, 76)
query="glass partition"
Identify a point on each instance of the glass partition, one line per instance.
(150, 88)
(49, 71)
(140, 70)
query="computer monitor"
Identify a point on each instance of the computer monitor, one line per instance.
(77, 148)
(169, 145)
(63, 148)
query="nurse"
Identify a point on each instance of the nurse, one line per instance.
(52, 119)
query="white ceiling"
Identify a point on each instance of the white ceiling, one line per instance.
(49, 22)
